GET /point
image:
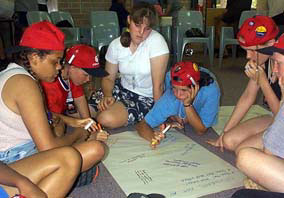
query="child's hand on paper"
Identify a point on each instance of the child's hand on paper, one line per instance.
(158, 137)
(218, 142)
(102, 135)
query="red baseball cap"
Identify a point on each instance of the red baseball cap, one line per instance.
(185, 74)
(85, 57)
(43, 35)
(257, 30)
(277, 47)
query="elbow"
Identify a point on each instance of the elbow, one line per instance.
(144, 130)
(48, 145)
(201, 131)
(44, 148)
(158, 92)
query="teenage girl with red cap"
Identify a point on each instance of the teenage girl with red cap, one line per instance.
(24, 125)
(192, 96)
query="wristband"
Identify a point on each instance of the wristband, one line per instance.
(188, 105)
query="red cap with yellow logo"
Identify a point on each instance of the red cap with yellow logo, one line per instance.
(185, 74)
(257, 31)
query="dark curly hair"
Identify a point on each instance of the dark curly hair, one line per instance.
(205, 79)
(21, 58)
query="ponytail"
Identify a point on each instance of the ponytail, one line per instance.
(125, 39)
(205, 79)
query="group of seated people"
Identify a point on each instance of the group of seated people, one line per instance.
(35, 86)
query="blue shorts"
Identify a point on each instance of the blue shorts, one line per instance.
(3, 193)
(18, 152)
(137, 106)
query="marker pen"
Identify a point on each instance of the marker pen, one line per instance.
(193, 81)
(164, 131)
(87, 126)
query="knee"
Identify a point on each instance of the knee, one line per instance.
(229, 142)
(105, 119)
(70, 159)
(110, 120)
(243, 157)
(98, 150)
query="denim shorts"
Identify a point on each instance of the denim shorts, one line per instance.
(3, 193)
(18, 152)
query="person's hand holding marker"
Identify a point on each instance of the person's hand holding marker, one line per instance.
(96, 130)
(158, 136)
(89, 125)
(102, 135)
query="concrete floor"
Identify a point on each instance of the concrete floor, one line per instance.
(231, 77)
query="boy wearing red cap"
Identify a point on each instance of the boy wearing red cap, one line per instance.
(191, 96)
(255, 34)
(81, 64)
(261, 157)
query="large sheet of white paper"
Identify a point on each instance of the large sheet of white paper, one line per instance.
(178, 168)
(226, 111)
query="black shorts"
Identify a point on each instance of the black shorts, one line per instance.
(137, 106)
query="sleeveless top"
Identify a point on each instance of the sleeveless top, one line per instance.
(13, 131)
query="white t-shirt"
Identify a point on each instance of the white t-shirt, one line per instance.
(135, 69)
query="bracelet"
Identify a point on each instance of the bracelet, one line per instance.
(188, 105)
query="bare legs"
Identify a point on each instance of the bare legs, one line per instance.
(263, 168)
(234, 137)
(259, 164)
(92, 152)
(54, 171)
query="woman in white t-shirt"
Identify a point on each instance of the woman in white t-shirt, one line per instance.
(140, 55)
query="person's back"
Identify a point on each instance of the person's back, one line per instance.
(22, 7)
(234, 10)
(119, 7)
(26, 6)
(152, 2)
(173, 6)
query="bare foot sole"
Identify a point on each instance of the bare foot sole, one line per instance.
(250, 184)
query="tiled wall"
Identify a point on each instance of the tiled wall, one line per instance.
(80, 9)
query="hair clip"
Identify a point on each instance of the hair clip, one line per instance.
(71, 59)
(192, 80)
